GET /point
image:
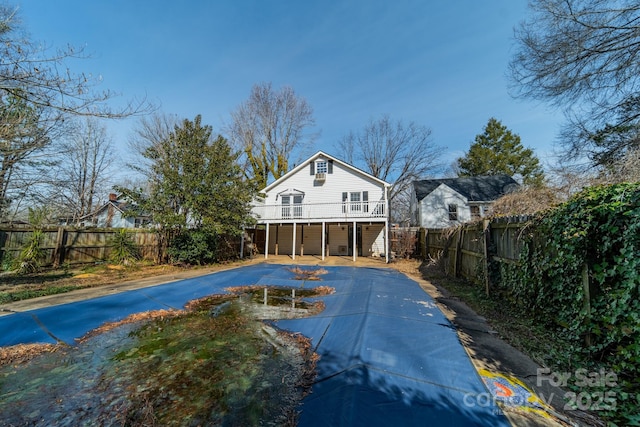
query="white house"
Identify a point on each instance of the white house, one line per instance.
(114, 213)
(443, 203)
(324, 207)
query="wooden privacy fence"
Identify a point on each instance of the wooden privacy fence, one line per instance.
(75, 246)
(466, 251)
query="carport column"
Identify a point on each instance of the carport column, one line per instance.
(323, 240)
(386, 224)
(266, 243)
(386, 240)
(355, 241)
(293, 252)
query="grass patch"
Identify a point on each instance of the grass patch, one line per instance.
(17, 287)
(19, 295)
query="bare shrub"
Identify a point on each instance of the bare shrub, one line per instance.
(525, 201)
(404, 242)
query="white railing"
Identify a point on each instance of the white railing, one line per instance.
(319, 211)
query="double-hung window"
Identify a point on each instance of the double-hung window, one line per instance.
(453, 212)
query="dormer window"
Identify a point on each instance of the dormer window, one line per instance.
(321, 166)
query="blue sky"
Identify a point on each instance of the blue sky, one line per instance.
(441, 64)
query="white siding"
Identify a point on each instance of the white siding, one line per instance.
(329, 191)
(338, 239)
(373, 240)
(312, 239)
(284, 234)
(434, 212)
(323, 202)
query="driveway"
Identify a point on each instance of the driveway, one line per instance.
(388, 356)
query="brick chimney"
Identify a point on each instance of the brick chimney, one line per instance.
(113, 197)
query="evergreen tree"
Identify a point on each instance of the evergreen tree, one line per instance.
(499, 151)
(195, 182)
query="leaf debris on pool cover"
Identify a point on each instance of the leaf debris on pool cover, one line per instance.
(169, 367)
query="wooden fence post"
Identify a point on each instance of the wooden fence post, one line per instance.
(458, 258)
(58, 251)
(587, 300)
(486, 232)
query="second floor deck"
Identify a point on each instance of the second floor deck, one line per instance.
(315, 212)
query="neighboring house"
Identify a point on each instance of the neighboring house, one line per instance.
(114, 214)
(315, 208)
(442, 203)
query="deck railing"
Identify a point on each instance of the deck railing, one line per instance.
(319, 211)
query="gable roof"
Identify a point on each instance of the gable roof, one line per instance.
(474, 188)
(123, 207)
(305, 163)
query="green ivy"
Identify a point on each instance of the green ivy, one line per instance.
(598, 229)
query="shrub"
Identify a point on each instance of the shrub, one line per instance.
(31, 256)
(193, 247)
(123, 248)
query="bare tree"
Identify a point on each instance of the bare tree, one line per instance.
(38, 94)
(150, 133)
(584, 56)
(83, 172)
(268, 128)
(628, 168)
(394, 152)
(39, 75)
(23, 134)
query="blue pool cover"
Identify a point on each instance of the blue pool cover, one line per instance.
(388, 356)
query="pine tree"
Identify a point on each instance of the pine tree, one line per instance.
(499, 151)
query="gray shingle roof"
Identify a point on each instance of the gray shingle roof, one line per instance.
(475, 188)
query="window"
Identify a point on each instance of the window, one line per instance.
(475, 212)
(141, 222)
(453, 212)
(321, 166)
(288, 210)
(355, 202)
(297, 206)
